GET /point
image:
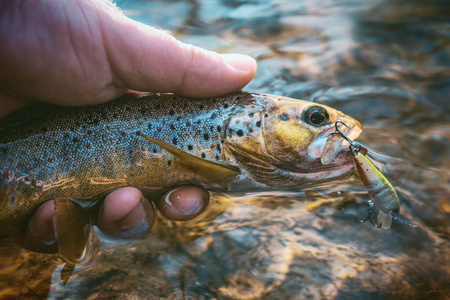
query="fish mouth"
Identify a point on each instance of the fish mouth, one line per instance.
(328, 146)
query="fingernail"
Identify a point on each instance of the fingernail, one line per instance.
(239, 61)
(135, 218)
(183, 203)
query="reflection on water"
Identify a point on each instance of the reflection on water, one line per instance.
(386, 63)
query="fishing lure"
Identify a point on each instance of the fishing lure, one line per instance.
(382, 193)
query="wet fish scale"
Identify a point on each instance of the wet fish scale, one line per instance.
(102, 145)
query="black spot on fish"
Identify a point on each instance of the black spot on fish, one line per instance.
(225, 105)
(89, 132)
(178, 118)
(201, 106)
(258, 124)
(188, 123)
(123, 133)
(240, 132)
(284, 117)
(75, 140)
(143, 111)
(149, 126)
(171, 112)
(159, 129)
(158, 106)
(251, 115)
(206, 136)
(172, 127)
(238, 121)
(190, 147)
(203, 155)
(127, 108)
(213, 115)
(217, 157)
(66, 135)
(219, 148)
(250, 129)
(266, 115)
(154, 150)
(174, 141)
(219, 128)
(169, 162)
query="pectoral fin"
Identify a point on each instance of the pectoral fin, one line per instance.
(72, 230)
(213, 171)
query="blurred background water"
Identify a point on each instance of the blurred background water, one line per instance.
(385, 63)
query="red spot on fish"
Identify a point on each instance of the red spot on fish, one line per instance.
(6, 175)
(26, 180)
(111, 140)
(74, 165)
(51, 159)
(12, 199)
(89, 146)
(131, 152)
(26, 152)
(367, 169)
(361, 163)
(39, 183)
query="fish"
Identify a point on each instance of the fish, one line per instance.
(239, 142)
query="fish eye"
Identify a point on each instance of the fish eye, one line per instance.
(316, 115)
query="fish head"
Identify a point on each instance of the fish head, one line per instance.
(289, 142)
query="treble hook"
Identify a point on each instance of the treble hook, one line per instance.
(354, 147)
(369, 214)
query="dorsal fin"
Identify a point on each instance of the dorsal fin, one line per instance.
(212, 171)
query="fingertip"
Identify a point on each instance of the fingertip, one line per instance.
(125, 211)
(209, 74)
(183, 203)
(40, 233)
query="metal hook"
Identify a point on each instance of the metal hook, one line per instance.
(354, 147)
(369, 210)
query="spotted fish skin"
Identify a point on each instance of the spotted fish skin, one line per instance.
(85, 152)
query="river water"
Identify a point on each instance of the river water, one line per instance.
(385, 63)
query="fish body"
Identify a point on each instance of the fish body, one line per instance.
(235, 143)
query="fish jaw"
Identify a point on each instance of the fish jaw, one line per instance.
(328, 145)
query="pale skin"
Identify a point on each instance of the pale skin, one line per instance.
(75, 52)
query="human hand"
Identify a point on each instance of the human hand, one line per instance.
(87, 52)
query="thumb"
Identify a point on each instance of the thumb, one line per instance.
(144, 58)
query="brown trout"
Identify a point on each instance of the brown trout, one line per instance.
(235, 143)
